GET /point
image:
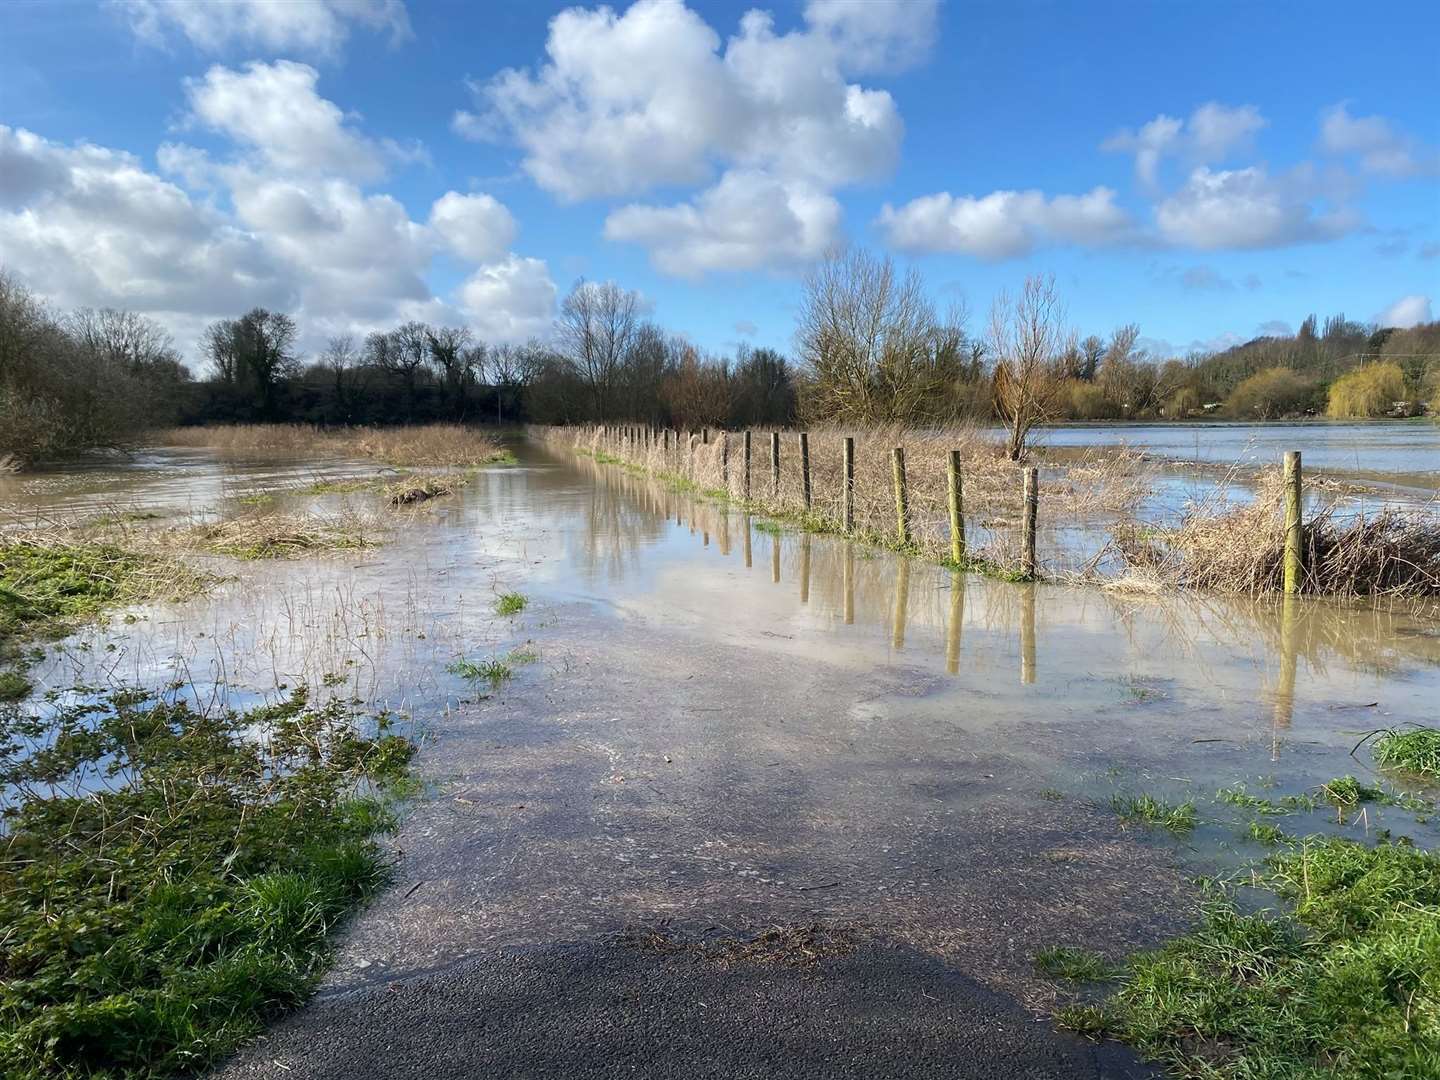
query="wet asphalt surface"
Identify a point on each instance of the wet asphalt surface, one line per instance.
(608, 1010)
(662, 767)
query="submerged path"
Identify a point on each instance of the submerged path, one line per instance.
(727, 732)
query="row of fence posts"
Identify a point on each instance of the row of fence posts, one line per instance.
(643, 438)
(640, 437)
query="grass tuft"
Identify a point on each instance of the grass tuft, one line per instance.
(281, 536)
(510, 603)
(414, 489)
(1414, 749)
(1178, 818)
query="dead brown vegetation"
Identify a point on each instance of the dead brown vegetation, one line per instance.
(421, 445)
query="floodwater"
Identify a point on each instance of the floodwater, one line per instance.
(1404, 453)
(723, 723)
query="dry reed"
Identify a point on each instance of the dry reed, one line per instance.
(279, 536)
(415, 489)
(421, 445)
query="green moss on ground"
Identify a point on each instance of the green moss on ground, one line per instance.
(169, 879)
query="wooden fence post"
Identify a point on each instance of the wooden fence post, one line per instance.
(805, 468)
(775, 465)
(747, 464)
(725, 461)
(705, 436)
(957, 511)
(1032, 502)
(1294, 529)
(902, 497)
(849, 484)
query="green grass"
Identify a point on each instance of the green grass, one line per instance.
(1414, 749)
(1345, 983)
(510, 603)
(1237, 795)
(1262, 832)
(157, 920)
(48, 584)
(492, 669)
(1178, 818)
(1074, 965)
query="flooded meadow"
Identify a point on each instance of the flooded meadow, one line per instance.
(709, 719)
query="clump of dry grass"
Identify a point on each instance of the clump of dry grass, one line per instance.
(280, 536)
(418, 445)
(423, 487)
(1242, 550)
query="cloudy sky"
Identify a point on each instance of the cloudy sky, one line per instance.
(1210, 170)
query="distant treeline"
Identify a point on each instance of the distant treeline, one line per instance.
(870, 347)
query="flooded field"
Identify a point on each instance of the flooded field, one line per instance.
(1403, 454)
(716, 722)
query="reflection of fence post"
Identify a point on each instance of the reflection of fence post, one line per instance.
(1032, 502)
(747, 465)
(805, 568)
(805, 468)
(952, 630)
(849, 584)
(1294, 530)
(902, 497)
(902, 604)
(957, 511)
(849, 484)
(1027, 634)
(775, 465)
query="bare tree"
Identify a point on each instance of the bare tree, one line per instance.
(340, 359)
(868, 338)
(255, 351)
(597, 326)
(1026, 338)
(125, 339)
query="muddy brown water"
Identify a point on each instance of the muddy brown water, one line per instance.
(725, 728)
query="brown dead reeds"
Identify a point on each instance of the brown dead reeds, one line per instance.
(1390, 553)
(422, 488)
(452, 445)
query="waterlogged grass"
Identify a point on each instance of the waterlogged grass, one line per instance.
(282, 536)
(1414, 750)
(1074, 965)
(422, 488)
(510, 603)
(169, 879)
(1146, 809)
(493, 669)
(1344, 983)
(49, 583)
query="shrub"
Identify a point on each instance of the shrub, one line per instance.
(1271, 393)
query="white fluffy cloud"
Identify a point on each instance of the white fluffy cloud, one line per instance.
(312, 26)
(631, 101)
(652, 97)
(1005, 224)
(1212, 133)
(1247, 209)
(510, 300)
(1406, 312)
(747, 220)
(275, 110)
(86, 225)
(1380, 148)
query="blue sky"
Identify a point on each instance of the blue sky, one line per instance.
(1205, 170)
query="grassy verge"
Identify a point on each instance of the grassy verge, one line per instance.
(775, 520)
(1344, 983)
(169, 879)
